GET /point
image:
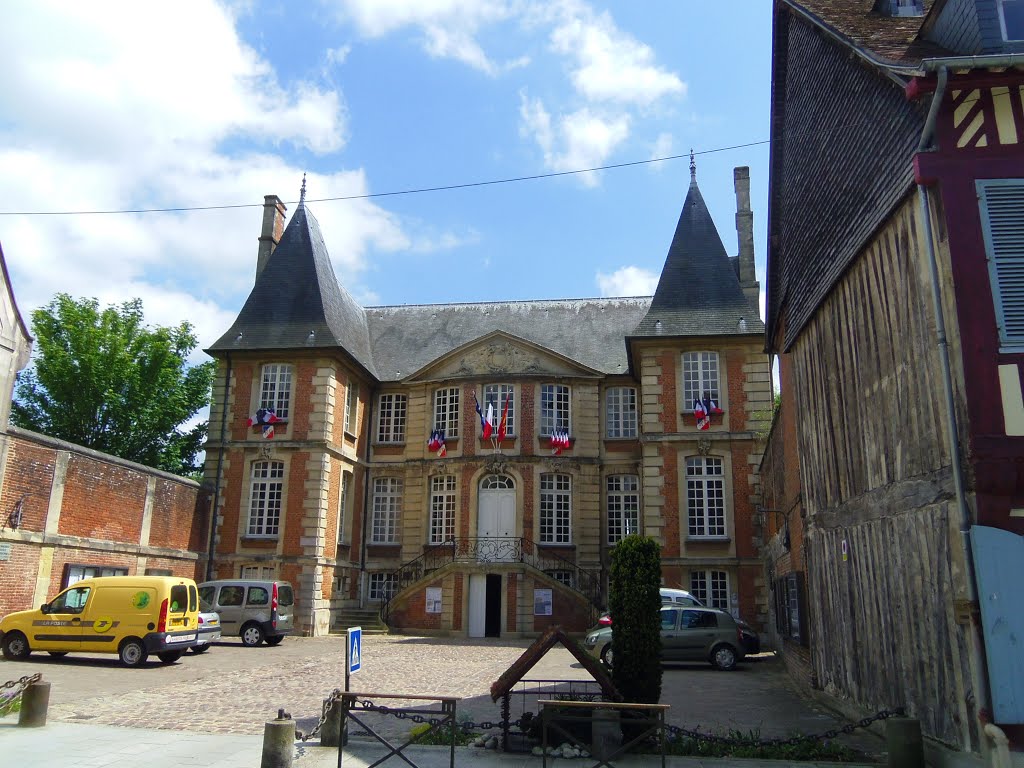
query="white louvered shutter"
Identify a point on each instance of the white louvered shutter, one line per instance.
(1002, 220)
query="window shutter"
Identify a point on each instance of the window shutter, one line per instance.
(1002, 220)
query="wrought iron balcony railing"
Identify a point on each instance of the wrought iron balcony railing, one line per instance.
(499, 549)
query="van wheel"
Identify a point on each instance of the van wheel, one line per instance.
(724, 658)
(252, 635)
(58, 654)
(275, 640)
(199, 648)
(15, 647)
(133, 653)
(169, 657)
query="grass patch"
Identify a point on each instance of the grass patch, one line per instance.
(440, 736)
(828, 751)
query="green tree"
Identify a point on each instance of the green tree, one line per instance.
(103, 380)
(635, 603)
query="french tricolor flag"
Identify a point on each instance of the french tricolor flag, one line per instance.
(266, 419)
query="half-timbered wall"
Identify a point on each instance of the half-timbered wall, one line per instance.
(883, 560)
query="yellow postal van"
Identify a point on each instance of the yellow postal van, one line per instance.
(132, 616)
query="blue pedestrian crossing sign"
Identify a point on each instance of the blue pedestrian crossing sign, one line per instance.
(355, 649)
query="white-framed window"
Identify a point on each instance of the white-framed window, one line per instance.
(391, 418)
(561, 575)
(343, 510)
(700, 377)
(382, 586)
(266, 491)
(442, 509)
(711, 588)
(446, 411)
(276, 387)
(623, 500)
(554, 408)
(498, 395)
(1001, 204)
(1011, 19)
(620, 411)
(73, 573)
(555, 509)
(387, 509)
(705, 496)
(351, 407)
(258, 572)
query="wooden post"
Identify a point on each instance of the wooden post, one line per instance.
(903, 740)
(279, 742)
(35, 700)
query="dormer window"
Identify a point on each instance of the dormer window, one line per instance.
(1011, 19)
(900, 7)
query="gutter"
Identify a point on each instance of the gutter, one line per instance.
(973, 62)
(979, 678)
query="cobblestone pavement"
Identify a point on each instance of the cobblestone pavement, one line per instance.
(232, 689)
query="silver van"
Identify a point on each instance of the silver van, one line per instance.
(255, 610)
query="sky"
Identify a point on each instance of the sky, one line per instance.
(126, 105)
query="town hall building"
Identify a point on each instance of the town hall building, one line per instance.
(467, 469)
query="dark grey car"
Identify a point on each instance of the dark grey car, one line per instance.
(687, 634)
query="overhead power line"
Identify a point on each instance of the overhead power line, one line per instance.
(415, 191)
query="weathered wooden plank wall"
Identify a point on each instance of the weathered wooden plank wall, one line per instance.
(875, 473)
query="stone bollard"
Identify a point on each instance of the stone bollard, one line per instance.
(334, 727)
(35, 700)
(606, 733)
(279, 742)
(903, 741)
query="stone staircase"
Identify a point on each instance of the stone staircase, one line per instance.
(368, 618)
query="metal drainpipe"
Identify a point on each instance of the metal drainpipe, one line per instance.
(366, 502)
(979, 679)
(216, 482)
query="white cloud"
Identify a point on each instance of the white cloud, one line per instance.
(610, 65)
(335, 56)
(628, 281)
(582, 139)
(662, 148)
(102, 110)
(449, 27)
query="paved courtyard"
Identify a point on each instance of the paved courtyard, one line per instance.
(232, 689)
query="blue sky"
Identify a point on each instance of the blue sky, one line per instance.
(120, 105)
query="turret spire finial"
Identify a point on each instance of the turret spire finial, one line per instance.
(693, 168)
(302, 192)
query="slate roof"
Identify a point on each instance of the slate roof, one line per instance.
(699, 291)
(843, 140)
(297, 301)
(590, 331)
(891, 38)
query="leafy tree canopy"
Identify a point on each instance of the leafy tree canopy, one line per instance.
(103, 380)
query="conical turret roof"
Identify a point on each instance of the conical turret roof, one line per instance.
(699, 291)
(297, 301)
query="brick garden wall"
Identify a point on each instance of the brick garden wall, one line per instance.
(82, 507)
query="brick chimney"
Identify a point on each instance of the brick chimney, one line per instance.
(745, 237)
(273, 228)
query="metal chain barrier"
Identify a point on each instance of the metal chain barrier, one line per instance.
(19, 686)
(826, 736)
(22, 683)
(365, 705)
